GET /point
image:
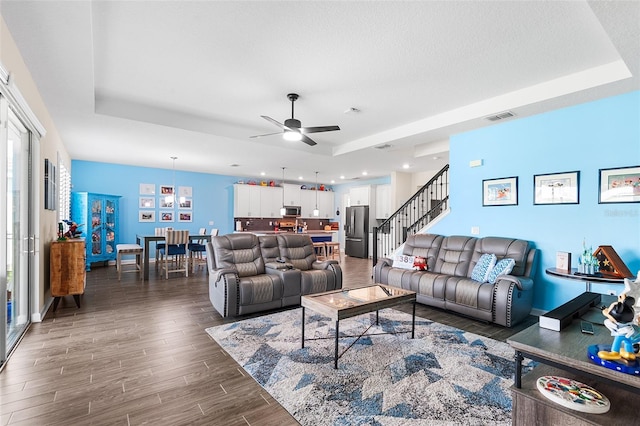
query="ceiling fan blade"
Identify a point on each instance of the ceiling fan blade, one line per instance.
(266, 134)
(319, 129)
(271, 120)
(308, 140)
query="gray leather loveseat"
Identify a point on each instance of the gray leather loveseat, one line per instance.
(250, 274)
(447, 282)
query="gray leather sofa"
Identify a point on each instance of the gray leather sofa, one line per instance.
(250, 274)
(447, 282)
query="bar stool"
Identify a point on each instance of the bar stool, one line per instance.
(129, 249)
(332, 250)
(321, 251)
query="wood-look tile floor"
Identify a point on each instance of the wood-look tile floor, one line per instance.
(137, 353)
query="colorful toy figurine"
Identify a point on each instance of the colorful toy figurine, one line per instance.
(620, 317)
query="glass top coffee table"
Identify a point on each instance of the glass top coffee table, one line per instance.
(347, 303)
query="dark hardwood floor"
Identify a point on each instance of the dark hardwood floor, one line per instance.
(137, 353)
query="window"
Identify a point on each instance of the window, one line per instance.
(64, 193)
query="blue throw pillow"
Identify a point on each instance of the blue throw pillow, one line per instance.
(503, 267)
(484, 266)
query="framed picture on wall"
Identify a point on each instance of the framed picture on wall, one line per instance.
(166, 190)
(146, 216)
(556, 188)
(185, 191)
(165, 203)
(500, 192)
(185, 203)
(184, 217)
(147, 189)
(619, 185)
(166, 216)
(147, 203)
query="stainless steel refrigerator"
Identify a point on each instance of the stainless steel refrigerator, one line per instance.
(356, 230)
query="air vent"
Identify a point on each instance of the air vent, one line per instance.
(385, 146)
(501, 116)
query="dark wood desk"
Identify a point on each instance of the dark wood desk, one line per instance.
(146, 239)
(584, 278)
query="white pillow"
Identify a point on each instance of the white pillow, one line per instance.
(503, 267)
(403, 261)
(484, 266)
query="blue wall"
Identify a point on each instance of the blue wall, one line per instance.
(212, 195)
(588, 137)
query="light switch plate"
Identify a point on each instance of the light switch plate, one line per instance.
(475, 230)
(475, 163)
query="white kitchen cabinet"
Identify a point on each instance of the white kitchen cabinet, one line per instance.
(307, 203)
(360, 195)
(384, 208)
(246, 200)
(270, 202)
(326, 204)
(292, 195)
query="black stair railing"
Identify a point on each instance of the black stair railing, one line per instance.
(424, 206)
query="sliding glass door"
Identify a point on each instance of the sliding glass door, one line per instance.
(16, 244)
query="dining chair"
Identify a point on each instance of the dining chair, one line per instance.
(175, 254)
(196, 249)
(160, 232)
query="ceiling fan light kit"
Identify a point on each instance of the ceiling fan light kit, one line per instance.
(292, 128)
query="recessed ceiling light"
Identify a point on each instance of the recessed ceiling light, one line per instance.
(364, 173)
(262, 173)
(436, 158)
(300, 178)
(342, 177)
(333, 181)
(405, 166)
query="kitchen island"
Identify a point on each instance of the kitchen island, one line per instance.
(317, 236)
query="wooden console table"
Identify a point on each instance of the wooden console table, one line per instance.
(565, 354)
(67, 270)
(584, 278)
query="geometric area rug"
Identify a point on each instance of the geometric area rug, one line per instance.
(443, 376)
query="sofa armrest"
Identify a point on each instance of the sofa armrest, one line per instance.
(223, 291)
(323, 264)
(278, 266)
(385, 261)
(522, 283)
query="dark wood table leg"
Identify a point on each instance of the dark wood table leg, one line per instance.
(377, 318)
(302, 322)
(413, 321)
(76, 297)
(335, 364)
(56, 300)
(518, 379)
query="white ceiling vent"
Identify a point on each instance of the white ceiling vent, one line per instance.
(385, 146)
(501, 116)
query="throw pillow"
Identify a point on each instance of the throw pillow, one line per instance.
(503, 267)
(482, 269)
(403, 261)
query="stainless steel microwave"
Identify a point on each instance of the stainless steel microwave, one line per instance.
(292, 211)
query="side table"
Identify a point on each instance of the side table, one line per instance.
(584, 278)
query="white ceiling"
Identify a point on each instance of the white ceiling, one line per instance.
(137, 82)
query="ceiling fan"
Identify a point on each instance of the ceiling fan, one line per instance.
(293, 130)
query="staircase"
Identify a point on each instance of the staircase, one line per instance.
(424, 206)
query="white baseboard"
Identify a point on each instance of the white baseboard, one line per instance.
(39, 316)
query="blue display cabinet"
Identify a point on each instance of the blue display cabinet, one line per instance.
(97, 215)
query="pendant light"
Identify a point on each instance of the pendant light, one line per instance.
(283, 210)
(316, 212)
(170, 198)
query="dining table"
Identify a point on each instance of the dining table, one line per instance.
(145, 240)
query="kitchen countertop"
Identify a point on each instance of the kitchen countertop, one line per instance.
(270, 232)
